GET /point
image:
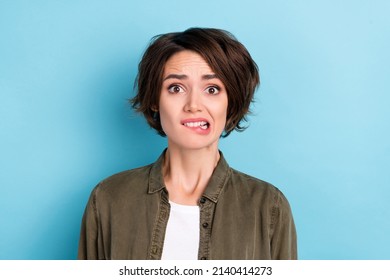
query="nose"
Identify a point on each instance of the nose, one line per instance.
(193, 102)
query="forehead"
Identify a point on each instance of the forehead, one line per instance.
(186, 62)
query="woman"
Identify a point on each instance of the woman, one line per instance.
(193, 87)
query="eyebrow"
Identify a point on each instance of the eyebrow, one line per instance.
(209, 77)
(184, 77)
(176, 76)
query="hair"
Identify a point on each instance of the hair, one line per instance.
(226, 56)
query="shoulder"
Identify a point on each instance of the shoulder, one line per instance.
(258, 189)
(123, 184)
(251, 183)
(128, 176)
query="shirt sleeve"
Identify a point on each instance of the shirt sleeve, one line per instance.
(88, 243)
(284, 238)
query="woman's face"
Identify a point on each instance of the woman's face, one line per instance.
(193, 102)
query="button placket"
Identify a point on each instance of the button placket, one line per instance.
(159, 228)
(206, 213)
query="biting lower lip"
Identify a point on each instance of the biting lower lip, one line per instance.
(202, 124)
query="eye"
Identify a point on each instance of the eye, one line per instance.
(175, 89)
(213, 90)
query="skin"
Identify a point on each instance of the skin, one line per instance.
(191, 94)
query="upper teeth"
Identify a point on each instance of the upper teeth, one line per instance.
(196, 124)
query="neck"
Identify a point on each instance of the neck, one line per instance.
(187, 172)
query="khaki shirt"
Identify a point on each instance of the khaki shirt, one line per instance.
(241, 217)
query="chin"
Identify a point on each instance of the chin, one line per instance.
(195, 144)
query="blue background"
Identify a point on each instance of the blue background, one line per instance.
(320, 129)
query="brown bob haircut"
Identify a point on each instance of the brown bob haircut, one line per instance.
(227, 57)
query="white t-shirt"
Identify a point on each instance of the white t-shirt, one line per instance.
(182, 234)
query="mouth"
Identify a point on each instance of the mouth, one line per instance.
(201, 124)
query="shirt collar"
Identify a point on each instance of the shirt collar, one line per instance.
(214, 187)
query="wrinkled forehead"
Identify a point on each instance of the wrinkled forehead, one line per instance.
(187, 63)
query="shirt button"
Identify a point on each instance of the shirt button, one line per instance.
(205, 225)
(202, 200)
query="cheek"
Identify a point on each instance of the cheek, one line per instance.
(164, 119)
(220, 111)
(167, 116)
(161, 114)
(162, 107)
(224, 108)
